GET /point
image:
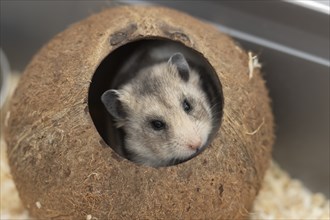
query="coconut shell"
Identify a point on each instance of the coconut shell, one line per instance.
(63, 168)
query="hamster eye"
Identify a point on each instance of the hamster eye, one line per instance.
(157, 125)
(186, 106)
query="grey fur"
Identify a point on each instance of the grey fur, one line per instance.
(112, 104)
(157, 93)
(181, 64)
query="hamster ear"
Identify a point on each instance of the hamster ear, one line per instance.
(110, 100)
(182, 65)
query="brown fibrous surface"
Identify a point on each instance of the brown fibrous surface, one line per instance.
(63, 169)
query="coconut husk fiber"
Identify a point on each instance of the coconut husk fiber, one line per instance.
(63, 168)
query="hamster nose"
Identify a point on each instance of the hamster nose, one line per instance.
(194, 145)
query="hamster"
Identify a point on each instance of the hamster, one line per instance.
(163, 111)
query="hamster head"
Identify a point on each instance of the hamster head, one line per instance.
(164, 112)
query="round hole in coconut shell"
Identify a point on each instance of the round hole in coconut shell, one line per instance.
(60, 162)
(107, 76)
